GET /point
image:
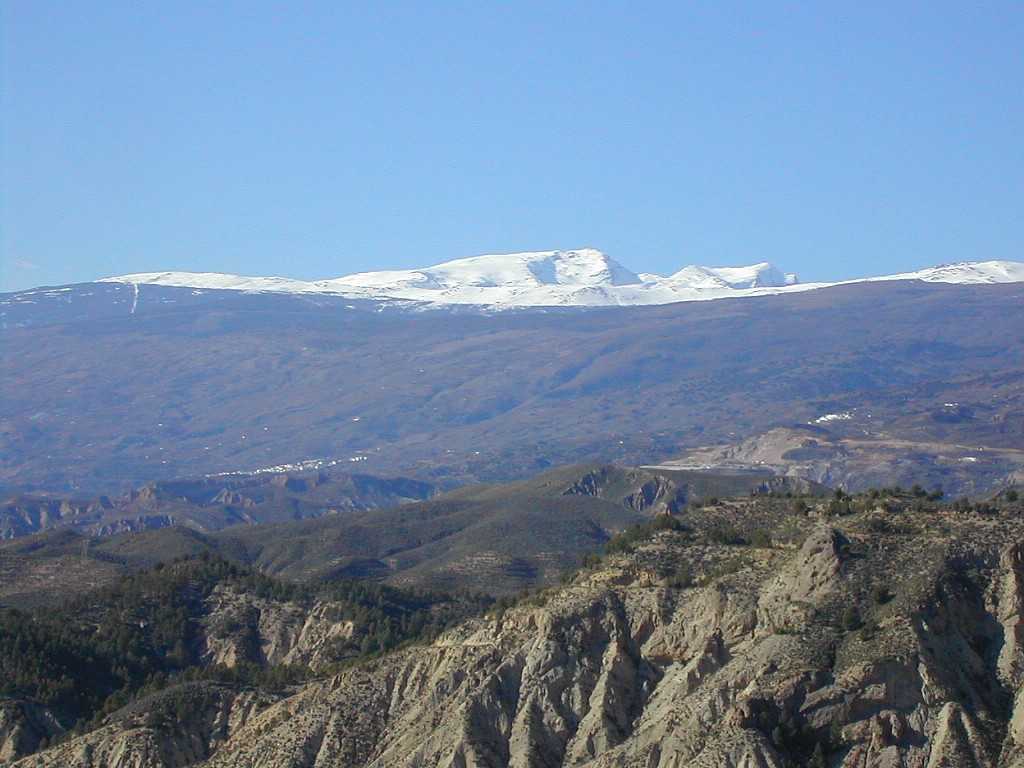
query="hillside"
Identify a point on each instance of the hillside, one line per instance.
(211, 503)
(493, 538)
(507, 537)
(874, 630)
(256, 380)
(147, 635)
(852, 454)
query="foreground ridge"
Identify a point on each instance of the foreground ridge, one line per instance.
(770, 632)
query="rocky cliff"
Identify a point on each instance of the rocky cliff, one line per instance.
(858, 641)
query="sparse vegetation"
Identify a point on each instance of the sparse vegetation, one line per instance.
(726, 534)
(682, 577)
(627, 541)
(141, 634)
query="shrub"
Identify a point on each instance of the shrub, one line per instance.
(882, 526)
(590, 560)
(851, 619)
(626, 541)
(869, 630)
(682, 577)
(840, 505)
(727, 535)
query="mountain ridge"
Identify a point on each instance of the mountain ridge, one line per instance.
(861, 632)
(570, 278)
(456, 396)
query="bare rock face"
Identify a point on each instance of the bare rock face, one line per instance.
(181, 726)
(767, 658)
(1007, 605)
(636, 489)
(242, 627)
(813, 576)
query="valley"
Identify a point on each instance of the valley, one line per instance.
(510, 537)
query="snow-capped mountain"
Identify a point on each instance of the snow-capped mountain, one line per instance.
(973, 272)
(584, 277)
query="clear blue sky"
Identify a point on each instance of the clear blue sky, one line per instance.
(317, 139)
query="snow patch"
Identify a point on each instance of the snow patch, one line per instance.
(845, 416)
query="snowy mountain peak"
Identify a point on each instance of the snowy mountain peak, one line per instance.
(570, 278)
(763, 275)
(973, 272)
(585, 267)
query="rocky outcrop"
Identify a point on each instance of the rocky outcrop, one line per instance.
(238, 626)
(181, 726)
(768, 657)
(23, 515)
(633, 488)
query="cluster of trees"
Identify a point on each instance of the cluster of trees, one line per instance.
(100, 651)
(916, 498)
(627, 541)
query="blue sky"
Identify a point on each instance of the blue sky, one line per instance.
(318, 139)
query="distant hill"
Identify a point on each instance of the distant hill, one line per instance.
(104, 391)
(211, 503)
(497, 539)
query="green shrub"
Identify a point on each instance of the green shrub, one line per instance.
(881, 594)
(626, 541)
(727, 535)
(799, 507)
(590, 561)
(851, 619)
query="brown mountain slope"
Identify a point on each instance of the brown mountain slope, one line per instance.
(245, 381)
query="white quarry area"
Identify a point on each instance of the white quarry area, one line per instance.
(577, 278)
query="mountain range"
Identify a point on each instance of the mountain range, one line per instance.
(108, 386)
(574, 278)
(197, 575)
